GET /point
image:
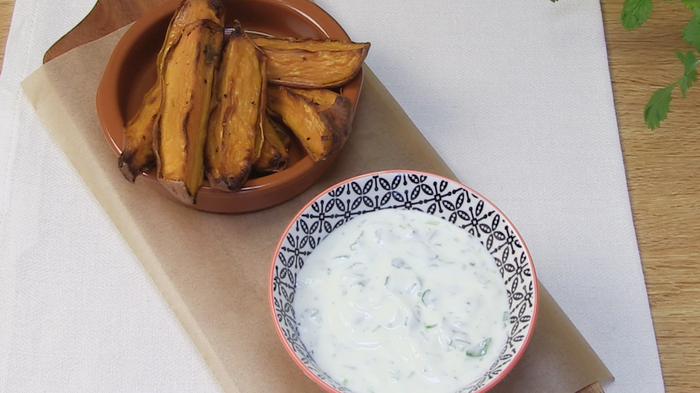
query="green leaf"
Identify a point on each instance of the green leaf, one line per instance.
(690, 75)
(691, 3)
(635, 12)
(691, 33)
(658, 106)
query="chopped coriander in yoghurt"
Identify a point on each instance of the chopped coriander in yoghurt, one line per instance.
(401, 301)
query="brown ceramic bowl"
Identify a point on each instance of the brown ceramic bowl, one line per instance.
(131, 72)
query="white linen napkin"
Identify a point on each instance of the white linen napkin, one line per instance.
(515, 97)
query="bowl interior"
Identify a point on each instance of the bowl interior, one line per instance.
(406, 190)
(131, 72)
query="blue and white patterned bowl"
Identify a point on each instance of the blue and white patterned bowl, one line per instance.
(422, 191)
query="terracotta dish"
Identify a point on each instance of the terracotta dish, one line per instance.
(131, 72)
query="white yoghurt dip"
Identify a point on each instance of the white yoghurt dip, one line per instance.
(401, 301)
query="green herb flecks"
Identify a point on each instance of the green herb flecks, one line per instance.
(423, 299)
(480, 349)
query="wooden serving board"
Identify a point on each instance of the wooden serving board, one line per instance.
(109, 15)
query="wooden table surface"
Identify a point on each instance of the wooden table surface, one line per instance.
(6, 7)
(663, 173)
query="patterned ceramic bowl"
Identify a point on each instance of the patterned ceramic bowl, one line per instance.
(436, 195)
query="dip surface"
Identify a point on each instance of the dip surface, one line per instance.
(401, 301)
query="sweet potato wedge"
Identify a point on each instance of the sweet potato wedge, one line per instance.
(275, 149)
(187, 77)
(320, 118)
(235, 134)
(187, 12)
(137, 152)
(311, 63)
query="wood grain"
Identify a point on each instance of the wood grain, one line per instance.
(595, 388)
(6, 7)
(663, 168)
(663, 173)
(102, 20)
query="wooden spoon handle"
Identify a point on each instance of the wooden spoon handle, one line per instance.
(106, 17)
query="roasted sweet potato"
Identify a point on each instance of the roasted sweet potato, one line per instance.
(187, 12)
(275, 149)
(137, 152)
(311, 63)
(320, 118)
(187, 77)
(235, 134)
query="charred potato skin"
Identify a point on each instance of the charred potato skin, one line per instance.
(187, 12)
(312, 63)
(274, 155)
(187, 77)
(235, 136)
(137, 152)
(320, 118)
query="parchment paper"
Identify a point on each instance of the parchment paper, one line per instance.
(212, 269)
